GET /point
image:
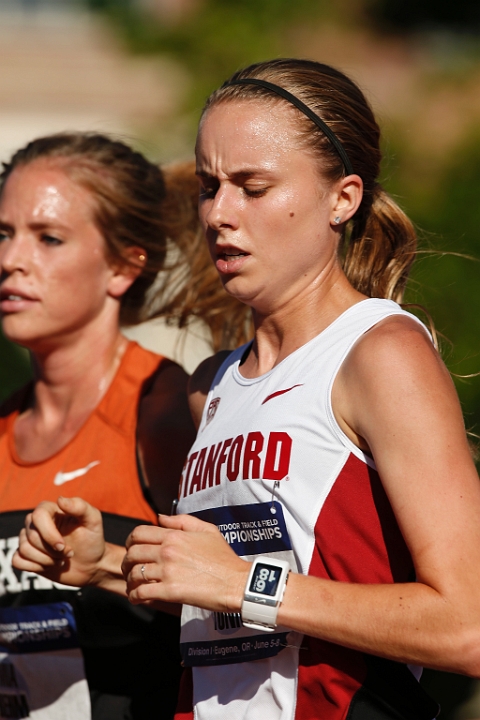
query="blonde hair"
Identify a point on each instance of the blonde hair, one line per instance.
(379, 242)
(194, 289)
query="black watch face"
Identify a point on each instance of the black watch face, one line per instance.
(265, 579)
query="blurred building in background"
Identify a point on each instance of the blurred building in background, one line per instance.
(62, 67)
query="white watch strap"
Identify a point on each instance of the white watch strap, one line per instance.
(259, 616)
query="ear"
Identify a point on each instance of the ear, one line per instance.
(124, 274)
(346, 198)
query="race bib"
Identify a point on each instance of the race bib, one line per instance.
(41, 666)
(212, 638)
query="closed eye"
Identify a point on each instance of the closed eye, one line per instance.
(255, 192)
(51, 240)
(208, 188)
(207, 193)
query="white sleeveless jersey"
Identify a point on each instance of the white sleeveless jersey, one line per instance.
(273, 470)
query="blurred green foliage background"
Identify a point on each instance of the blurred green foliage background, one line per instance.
(431, 139)
(438, 186)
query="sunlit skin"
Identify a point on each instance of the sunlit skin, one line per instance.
(270, 223)
(268, 217)
(60, 298)
(55, 279)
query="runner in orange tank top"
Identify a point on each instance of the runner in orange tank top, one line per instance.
(106, 471)
(121, 665)
(84, 222)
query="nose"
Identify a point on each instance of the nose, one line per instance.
(222, 211)
(13, 255)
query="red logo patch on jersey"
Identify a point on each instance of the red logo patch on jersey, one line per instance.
(212, 409)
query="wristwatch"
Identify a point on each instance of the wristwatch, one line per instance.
(264, 593)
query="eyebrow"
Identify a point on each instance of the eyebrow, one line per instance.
(242, 174)
(47, 225)
(35, 226)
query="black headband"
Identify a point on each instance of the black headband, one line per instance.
(306, 110)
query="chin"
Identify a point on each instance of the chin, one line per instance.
(237, 287)
(257, 298)
(19, 333)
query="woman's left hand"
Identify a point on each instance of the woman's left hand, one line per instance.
(187, 561)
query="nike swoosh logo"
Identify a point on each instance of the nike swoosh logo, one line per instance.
(62, 477)
(280, 392)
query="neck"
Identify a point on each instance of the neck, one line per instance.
(74, 370)
(73, 376)
(287, 327)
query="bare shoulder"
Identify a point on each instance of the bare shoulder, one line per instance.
(392, 349)
(392, 374)
(395, 399)
(165, 432)
(201, 381)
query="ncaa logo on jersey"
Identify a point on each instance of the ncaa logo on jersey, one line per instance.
(212, 409)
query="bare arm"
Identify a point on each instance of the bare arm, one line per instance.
(200, 383)
(165, 433)
(64, 541)
(393, 396)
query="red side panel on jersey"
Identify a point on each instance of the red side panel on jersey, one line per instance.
(357, 540)
(184, 709)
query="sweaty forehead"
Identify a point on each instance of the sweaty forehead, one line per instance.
(44, 190)
(245, 132)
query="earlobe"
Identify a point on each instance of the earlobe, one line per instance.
(125, 273)
(348, 196)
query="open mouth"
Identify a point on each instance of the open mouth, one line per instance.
(232, 256)
(11, 300)
(230, 259)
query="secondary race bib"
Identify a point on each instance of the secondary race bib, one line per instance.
(41, 666)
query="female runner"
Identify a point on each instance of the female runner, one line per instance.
(84, 222)
(332, 446)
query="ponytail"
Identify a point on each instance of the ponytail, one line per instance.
(380, 249)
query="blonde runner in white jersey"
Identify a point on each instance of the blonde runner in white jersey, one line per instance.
(267, 455)
(336, 441)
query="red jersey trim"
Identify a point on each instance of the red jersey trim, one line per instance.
(184, 709)
(357, 540)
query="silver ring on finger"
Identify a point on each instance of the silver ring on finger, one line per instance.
(142, 570)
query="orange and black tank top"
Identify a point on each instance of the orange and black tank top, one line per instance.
(99, 463)
(128, 655)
